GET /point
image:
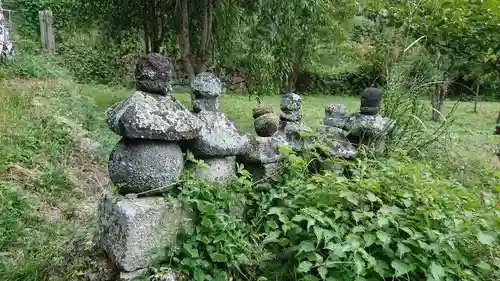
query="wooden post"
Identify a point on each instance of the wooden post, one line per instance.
(47, 31)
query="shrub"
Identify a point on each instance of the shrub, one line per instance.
(396, 219)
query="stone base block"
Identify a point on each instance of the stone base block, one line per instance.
(131, 276)
(264, 172)
(217, 170)
(130, 229)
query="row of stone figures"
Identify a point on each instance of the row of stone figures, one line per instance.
(156, 131)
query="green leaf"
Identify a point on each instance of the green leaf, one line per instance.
(322, 272)
(193, 253)
(218, 257)
(437, 271)
(400, 267)
(372, 197)
(402, 249)
(486, 238)
(199, 274)
(310, 278)
(350, 196)
(272, 237)
(384, 237)
(484, 266)
(306, 247)
(382, 222)
(304, 267)
(314, 257)
(369, 239)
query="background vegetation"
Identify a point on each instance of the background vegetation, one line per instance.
(427, 211)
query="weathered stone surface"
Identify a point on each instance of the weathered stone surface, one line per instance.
(338, 144)
(336, 109)
(131, 229)
(290, 102)
(206, 84)
(264, 172)
(369, 126)
(297, 135)
(153, 74)
(131, 276)
(150, 116)
(266, 125)
(370, 101)
(262, 150)
(218, 137)
(167, 276)
(206, 89)
(208, 104)
(137, 166)
(335, 115)
(291, 116)
(217, 170)
(261, 110)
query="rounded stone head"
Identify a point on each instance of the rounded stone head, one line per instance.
(370, 101)
(153, 74)
(335, 109)
(290, 102)
(207, 85)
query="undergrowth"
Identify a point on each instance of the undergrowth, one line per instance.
(395, 219)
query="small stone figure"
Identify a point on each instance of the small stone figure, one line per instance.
(335, 115)
(368, 127)
(291, 126)
(219, 140)
(290, 105)
(147, 161)
(265, 121)
(153, 74)
(370, 101)
(206, 89)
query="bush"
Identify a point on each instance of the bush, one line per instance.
(396, 219)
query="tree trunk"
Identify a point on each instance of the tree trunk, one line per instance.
(201, 60)
(476, 98)
(297, 65)
(185, 45)
(146, 27)
(147, 40)
(497, 125)
(438, 95)
(155, 44)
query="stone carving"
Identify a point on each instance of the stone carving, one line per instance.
(218, 136)
(265, 121)
(335, 115)
(148, 158)
(152, 116)
(219, 139)
(131, 229)
(153, 74)
(147, 161)
(370, 101)
(368, 127)
(291, 127)
(333, 135)
(145, 166)
(206, 88)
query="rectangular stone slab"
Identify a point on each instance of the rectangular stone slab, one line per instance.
(131, 228)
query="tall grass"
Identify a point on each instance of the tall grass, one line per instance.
(408, 76)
